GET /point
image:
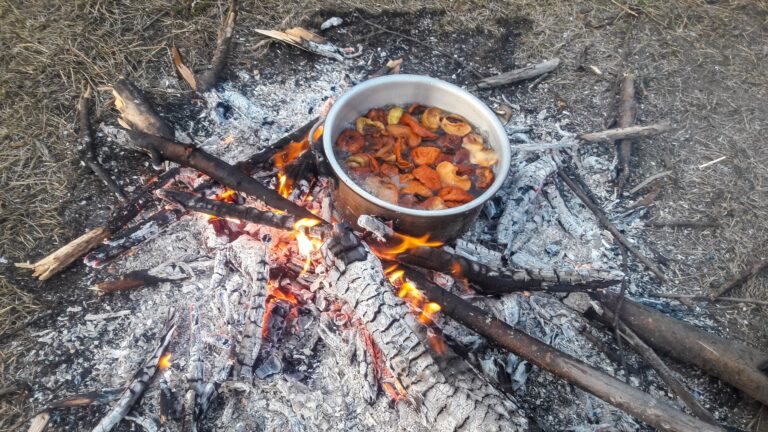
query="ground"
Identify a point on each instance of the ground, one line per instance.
(702, 65)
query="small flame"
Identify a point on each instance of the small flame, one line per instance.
(306, 244)
(165, 361)
(318, 133)
(428, 312)
(408, 291)
(406, 243)
(284, 186)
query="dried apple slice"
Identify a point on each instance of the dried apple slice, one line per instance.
(431, 118)
(455, 125)
(452, 193)
(393, 115)
(478, 154)
(433, 203)
(424, 155)
(428, 176)
(402, 131)
(350, 140)
(382, 189)
(484, 177)
(366, 126)
(414, 124)
(377, 115)
(417, 188)
(448, 176)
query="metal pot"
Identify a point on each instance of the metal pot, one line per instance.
(352, 200)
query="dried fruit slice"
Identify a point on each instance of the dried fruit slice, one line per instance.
(393, 116)
(382, 189)
(484, 177)
(478, 154)
(366, 126)
(428, 176)
(350, 140)
(448, 176)
(377, 115)
(414, 124)
(424, 155)
(402, 131)
(455, 125)
(417, 188)
(388, 170)
(431, 118)
(433, 203)
(452, 193)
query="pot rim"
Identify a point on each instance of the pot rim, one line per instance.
(504, 149)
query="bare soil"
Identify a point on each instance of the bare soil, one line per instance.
(701, 65)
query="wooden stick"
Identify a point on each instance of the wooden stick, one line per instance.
(603, 219)
(740, 279)
(726, 359)
(627, 115)
(134, 279)
(694, 297)
(654, 361)
(631, 132)
(139, 383)
(87, 149)
(682, 223)
(63, 257)
(228, 175)
(136, 112)
(99, 397)
(521, 74)
(641, 405)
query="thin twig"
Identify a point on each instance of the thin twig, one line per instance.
(425, 45)
(741, 278)
(695, 297)
(603, 219)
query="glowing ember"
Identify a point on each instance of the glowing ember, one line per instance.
(406, 243)
(428, 312)
(165, 361)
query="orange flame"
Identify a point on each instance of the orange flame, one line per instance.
(165, 361)
(427, 311)
(306, 244)
(284, 185)
(406, 243)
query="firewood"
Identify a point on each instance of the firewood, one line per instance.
(99, 397)
(489, 280)
(140, 381)
(627, 114)
(136, 112)
(61, 258)
(521, 74)
(208, 79)
(631, 132)
(266, 155)
(356, 277)
(741, 278)
(87, 150)
(131, 237)
(224, 173)
(643, 406)
(607, 224)
(732, 362)
(134, 279)
(654, 361)
(250, 257)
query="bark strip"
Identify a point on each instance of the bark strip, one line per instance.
(732, 362)
(521, 74)
(139, 383)
(641, 405)
(87, 151)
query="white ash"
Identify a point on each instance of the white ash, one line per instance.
(82, 354)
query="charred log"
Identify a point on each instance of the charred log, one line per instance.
(489, 280)
(646, 408)
(734, 363)
(131, 237)
(467, 403)
(217, 169)
(87, 151)
(249, 165)
(136, 113)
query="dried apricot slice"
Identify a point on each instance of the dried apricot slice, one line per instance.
(350, 140)
(424, 155)
(428, 176)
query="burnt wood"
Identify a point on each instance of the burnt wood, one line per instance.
(641, 405)
(134, 279)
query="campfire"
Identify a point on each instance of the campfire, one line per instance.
(269, 307)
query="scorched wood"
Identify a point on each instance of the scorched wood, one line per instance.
(224, 173)
(641, 405)
(630, 132)
(730, 361)
(134, 279)
(356, 277)
(136, 112)
(139, 383)
(521, 74)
